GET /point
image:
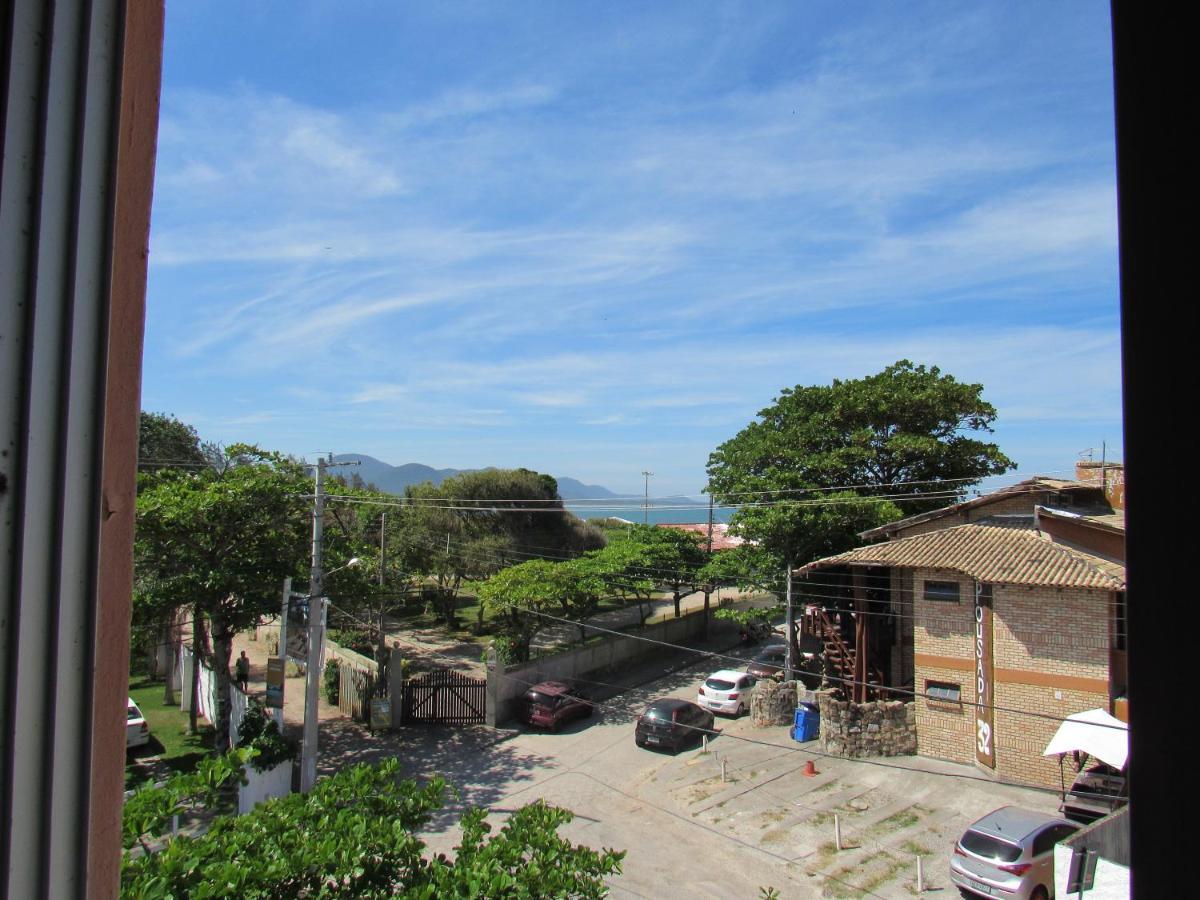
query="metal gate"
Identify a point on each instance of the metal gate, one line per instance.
(444, 695)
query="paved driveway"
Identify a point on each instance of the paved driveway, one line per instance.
(688, 831)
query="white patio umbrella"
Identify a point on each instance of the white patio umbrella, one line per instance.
(1094, 732)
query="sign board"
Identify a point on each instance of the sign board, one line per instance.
(381, 714)
(297, 629)
(275, 681)
(985, 684)
(1081, 876)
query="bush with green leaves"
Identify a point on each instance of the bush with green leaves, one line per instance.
(353, 639)
(148, 813)
(259, 732)
(333, 681)
(355, 835)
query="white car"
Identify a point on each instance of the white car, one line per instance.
(726, 692)
(137, 732)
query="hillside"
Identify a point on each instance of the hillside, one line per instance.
(394, 479)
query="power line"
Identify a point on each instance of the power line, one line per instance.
(466, 551)
(712, 654)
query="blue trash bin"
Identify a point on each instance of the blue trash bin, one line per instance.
(807, 722)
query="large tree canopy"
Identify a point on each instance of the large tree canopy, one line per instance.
(473, 524)
(219, 544)
(165, 442)
(840, 453)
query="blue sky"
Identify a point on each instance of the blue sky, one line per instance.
(592, 239)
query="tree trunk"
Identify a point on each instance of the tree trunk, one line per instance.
(169, 647)
(222, 650)
(197, 656)
(704, 624)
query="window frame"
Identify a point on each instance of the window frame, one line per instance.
(945, 598)
(932, 687)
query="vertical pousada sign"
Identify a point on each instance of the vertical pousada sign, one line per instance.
(985, 734)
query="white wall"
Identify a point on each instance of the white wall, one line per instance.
(261, 786)
(508, 682)
(208, 694)
(1112, 880)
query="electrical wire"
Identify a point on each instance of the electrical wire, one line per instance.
(878, 762)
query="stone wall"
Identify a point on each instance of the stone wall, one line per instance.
(775, 704)
(879, 728)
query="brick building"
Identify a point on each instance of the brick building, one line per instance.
(1003, 614)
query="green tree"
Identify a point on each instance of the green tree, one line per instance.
(355, 835)
(625, 567)
(516, 595)
(219, 544)
(475, 523)
(829, 456)
(166, 443)
(673, 558)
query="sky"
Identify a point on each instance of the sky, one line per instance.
(596, 239)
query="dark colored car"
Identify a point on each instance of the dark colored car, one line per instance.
(670, 722)
(553, 703)
(769, 663)
(1095, 793)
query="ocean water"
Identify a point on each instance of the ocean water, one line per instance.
(677, 512)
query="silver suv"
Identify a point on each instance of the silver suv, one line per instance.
(1009, 853)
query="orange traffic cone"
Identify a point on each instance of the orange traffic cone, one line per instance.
(810, 770)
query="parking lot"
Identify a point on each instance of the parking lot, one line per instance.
(717, 823)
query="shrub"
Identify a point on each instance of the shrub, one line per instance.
(333, 681)
(259, 732)
(358, 641)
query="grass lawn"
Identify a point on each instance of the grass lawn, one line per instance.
(169, 743)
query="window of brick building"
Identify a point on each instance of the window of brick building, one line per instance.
(942, 591)
(943, 691)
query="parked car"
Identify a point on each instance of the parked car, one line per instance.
(756, 631)
(1009, 853)
(768, 663)
(670, 722)
(1095, 792)
(137, 732)
(726, 692)
(553, 703)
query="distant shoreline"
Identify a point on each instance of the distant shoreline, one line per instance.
(678, 513)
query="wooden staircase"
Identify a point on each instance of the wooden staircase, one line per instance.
(840, 656)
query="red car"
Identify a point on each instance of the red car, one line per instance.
(551, 703)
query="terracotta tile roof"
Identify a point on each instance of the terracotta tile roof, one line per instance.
(989, 553)
(1112, 520)
(1036, 484)
(722, 539)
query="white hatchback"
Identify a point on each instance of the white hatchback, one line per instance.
(137, 732)
(726, 692)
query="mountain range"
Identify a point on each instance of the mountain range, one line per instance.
(394, 479)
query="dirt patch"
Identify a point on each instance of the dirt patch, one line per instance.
(866, 877)
(702, 790)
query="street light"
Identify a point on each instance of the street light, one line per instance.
(354, 561)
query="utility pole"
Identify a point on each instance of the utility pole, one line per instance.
(646, 503)
(381, 653)
(308, 758)
(382, 544)
(707, 584)
(316, 628)
(790, 665)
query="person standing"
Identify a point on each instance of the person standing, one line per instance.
(241, 671)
